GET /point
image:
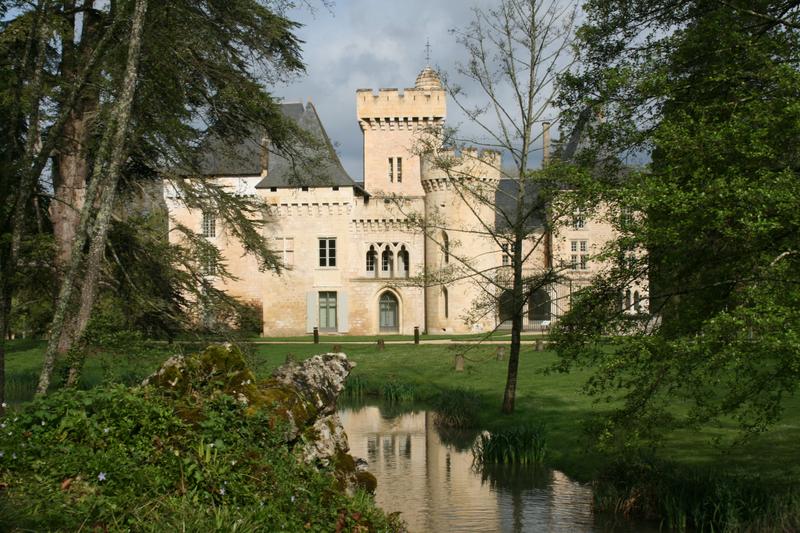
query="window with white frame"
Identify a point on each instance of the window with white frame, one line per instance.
(396, 169)
(371, 259)
(387, 260)
(579, 255)
(284, 247)
(578, 219)
(209, 224)
(508, 253)
(327, 252)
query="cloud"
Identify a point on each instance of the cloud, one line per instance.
(372, 44)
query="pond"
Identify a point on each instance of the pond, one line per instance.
(428, 476)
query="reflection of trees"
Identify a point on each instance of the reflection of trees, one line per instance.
(459, 439)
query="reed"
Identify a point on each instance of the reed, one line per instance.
(683, 498)
(392, 392)
(456, 408)
(521, 445)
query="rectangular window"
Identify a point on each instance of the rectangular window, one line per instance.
(579, 259)
(284, 247)
(327, 252)
(209, 224)
(508, 253)
(327, 310)
(399, 170)
(208, 265)
(578, 219)
(391, 170)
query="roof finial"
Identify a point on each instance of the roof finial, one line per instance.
(428, 51)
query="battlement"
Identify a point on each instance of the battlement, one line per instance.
(470, 163)
(392, 104)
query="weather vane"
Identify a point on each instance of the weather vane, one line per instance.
(428, 51)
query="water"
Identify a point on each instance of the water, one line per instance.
(428, 476)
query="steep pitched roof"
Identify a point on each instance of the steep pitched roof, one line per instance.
(313, 164)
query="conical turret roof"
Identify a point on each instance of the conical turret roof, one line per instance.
(428, 79)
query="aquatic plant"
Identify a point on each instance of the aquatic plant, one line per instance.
(521, 445)
(393, 392)
(456, 408)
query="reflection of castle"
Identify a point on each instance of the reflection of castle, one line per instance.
(436, 488)
(348, 248)
(418, 475)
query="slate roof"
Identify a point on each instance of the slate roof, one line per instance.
(312, 164)
(506, 201)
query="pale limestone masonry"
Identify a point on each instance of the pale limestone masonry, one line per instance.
(374, 284)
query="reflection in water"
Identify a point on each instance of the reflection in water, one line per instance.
(435, 487)
(427, 475)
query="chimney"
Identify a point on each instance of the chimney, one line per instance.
(264, 155)
(545, 143)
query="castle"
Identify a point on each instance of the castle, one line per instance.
(357, 260)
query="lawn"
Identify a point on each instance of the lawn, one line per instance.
(554, 400)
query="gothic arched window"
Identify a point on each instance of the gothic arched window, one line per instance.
(403, 261)
(387, 260)
(446, 302)
(372, 257)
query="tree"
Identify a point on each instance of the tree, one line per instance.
(514, 53)
(201, 73)
(708, 89)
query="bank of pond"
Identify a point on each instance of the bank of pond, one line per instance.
(442, 455)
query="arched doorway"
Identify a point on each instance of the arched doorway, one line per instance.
(388, 313)
(539, 305)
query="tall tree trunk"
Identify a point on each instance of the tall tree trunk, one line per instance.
(509, 396)
(103, 183)
(72, 162)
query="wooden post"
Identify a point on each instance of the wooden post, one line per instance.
(416, 334)
(539, 345)
(337, 348)
(459, 363)
(316, 335)
(501, 353)
(381, 344)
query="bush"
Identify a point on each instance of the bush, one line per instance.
(117, 458)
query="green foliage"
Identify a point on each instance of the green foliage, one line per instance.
(457, 408)
(684, 498)
(122, 458)
(521, 445)
(708, 91)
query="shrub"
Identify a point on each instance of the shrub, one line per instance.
(118, 458)
(524, 445)
(456, 408)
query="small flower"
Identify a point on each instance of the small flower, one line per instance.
(233, 463)
(4, 404)
(10, 433)
(3, 425)
(2, 454)
(222, 491)
(106, 430)
(13, 455)
(101, 476)
(210, 444)
(42, 422)
(293, 498)
(261, 503)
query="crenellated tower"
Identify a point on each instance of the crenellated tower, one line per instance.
(460, 194)
(393, 124)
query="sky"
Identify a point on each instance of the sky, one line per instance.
(372, 44)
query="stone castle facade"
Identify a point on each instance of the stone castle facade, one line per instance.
(357, 259)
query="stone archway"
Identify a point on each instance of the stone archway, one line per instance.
(388, 312)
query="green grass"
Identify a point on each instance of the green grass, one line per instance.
(554, 401)
(523, 445)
